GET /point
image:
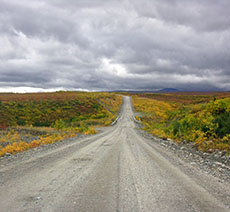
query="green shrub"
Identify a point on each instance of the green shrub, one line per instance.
(83, 127)
(222, 122)
(59, 124)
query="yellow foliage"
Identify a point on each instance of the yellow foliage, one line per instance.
(160, 133)
(138, 118)
(3, 140)
(20, 146)
(11, 137)
(14, 148)
(91, 130)
(153, 107)
(193, 122)
(226, 138)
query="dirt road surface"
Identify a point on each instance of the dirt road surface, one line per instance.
(115, 170)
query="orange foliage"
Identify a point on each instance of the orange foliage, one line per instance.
(20, 146)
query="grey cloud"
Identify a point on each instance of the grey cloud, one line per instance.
(116, 44)
(207, 15)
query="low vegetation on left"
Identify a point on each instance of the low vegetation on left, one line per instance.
(31, 120)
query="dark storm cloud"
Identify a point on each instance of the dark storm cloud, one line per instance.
(115, 44)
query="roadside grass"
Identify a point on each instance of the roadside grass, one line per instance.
(20, 139)
(31, 120)
(201, 119)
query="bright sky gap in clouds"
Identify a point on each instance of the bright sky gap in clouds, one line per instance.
(48, 45)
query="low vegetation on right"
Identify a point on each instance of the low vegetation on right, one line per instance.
(202, 118)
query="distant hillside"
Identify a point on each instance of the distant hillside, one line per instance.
(164, 90)
(167, 90)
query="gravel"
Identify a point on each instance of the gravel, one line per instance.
(216, 163)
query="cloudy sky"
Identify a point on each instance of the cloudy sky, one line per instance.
(50, 45)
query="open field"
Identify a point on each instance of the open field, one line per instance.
(202, 118)
(30, 120)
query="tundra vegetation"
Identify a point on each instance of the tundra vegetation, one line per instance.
(202, 118)
(30, 120)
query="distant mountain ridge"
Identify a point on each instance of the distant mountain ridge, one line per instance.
(166, 90)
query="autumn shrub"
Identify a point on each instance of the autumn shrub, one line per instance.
(15, 144)
(83, 127)
(90, 130)
(14, 148)
(222, 123)
(48, 109)
(206, 124)
(220, 109)
(59, 124)
(66, 112)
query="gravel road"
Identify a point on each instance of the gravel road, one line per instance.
(115, 170)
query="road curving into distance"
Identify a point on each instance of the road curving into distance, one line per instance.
(116, 170)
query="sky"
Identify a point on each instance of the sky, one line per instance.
(48, 45)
